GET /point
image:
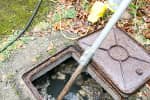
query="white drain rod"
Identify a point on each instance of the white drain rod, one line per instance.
(89, 53)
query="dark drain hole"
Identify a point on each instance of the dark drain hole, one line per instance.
(51, 83)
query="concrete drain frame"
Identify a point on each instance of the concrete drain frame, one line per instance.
(54, 61)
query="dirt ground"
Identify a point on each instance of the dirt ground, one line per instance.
(24, 59)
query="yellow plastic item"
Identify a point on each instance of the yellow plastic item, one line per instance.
(98, 10)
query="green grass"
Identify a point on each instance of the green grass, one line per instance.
(64, 14)
(7, 53)
(16, 13)
(14, 16)
(52, 51)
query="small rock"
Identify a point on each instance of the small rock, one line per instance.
(126, 15)
(4, 78)
(40, 27)
(33, 38)
(82, 92)
(80, 80)
(33, 60)
(53, 77)
(49, 97)
(61, 76)
(71, 96)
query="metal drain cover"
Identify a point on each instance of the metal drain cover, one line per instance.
(123, 62)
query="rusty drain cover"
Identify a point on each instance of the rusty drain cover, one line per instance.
(123, 62)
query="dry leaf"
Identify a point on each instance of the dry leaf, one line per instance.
(146, 19)
(146, 33)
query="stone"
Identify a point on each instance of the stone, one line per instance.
(126, 15)
(71, 96)
(40, 27)
(82, 92)
(53, 77)
(61, 76)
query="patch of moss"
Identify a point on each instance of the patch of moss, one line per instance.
(14, 16)
(16, 13)
(52, 51)
(18, 44)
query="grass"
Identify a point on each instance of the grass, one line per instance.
(133, 8)
(16, 13)
(18, 44)
(14, 16)
(52, 51)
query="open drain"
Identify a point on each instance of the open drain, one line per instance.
(48, 79)
(50, 84)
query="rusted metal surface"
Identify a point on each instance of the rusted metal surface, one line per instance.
(122, 61)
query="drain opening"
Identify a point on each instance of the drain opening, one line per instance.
(51, 83)
(46, 80)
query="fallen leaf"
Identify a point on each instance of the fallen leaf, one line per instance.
(146, 33)
(146, 19)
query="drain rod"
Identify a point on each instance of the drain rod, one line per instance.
(89, 53)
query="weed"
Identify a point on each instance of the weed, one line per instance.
(52, 51)
(64, 14)
(6, 54)
(85, 5)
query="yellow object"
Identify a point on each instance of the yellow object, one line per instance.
(98, 10)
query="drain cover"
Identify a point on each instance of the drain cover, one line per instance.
(120, 55)
(125, 63)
